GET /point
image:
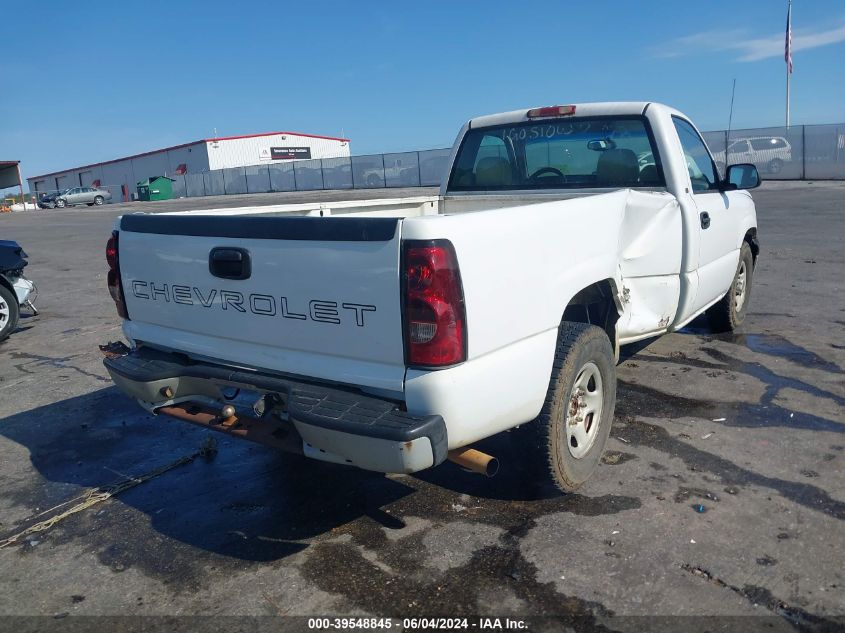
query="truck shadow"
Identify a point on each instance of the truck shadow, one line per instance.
(247, 503)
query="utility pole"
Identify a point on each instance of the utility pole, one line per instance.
(731, 115)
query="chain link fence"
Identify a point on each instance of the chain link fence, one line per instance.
(376, 171)
(800, 152)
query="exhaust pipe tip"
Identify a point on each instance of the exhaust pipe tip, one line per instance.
(492, 467)
(475, 461)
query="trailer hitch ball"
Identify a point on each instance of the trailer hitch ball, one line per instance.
(228, 411)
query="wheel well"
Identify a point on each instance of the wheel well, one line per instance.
(751, 239)
(7, 284)
(595, 305)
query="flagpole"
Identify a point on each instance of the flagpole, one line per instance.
(787, 97)
(788, 56)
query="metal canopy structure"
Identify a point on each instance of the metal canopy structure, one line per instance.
(10, 175)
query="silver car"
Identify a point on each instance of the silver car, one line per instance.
(82, 195)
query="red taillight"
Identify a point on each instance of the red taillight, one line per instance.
(535, 113)
(435, 323)
(111, 252)
(113, 279)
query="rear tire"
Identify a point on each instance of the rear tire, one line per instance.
(9, 312)
(729, 313)
(775, 165)
(565, 442)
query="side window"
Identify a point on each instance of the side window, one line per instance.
(768, 143)
(492, 165)
(702, 171)
(738, 146)
(491, 147)
(489, 166)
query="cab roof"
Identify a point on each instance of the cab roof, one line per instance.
(581, 109)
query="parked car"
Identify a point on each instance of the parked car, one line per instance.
(401, 332)
(768, 153)
(82, 195)
(392, 175)
(16, 291)
(48, 200)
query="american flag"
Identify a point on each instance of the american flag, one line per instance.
(787, 53)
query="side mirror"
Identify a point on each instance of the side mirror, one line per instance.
(744, 176)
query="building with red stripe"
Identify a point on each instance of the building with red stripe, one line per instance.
(121, 175)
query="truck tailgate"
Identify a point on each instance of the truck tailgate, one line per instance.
(321, 297)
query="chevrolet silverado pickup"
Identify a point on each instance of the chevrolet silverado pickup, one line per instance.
(394, 334)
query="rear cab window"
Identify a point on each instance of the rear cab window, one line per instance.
(571, 153)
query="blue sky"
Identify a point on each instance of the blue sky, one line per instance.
(91, 81)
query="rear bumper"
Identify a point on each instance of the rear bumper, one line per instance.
(335, 424)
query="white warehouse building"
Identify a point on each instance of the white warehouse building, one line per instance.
(121, 175)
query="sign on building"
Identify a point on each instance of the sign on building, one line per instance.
(289, 153)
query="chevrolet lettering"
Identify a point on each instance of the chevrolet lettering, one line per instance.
(254, 303)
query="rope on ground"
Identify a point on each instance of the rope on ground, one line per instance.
(97, 495)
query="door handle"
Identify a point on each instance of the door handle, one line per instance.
(229, 263)
(705, 219)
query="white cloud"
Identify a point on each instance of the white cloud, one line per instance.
(749, 49)
(716, 40)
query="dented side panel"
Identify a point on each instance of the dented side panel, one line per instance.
(650, 255)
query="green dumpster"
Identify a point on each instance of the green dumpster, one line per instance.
(155, 188)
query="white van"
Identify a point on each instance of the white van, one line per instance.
(768, 153)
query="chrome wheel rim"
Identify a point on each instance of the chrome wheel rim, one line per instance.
(740, 286)
(4, 313)
(583, 410)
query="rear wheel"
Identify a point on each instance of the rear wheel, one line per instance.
(9, 312)
(566, 440)
(775, 165)
(729, 313)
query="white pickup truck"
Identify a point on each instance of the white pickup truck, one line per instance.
(393, 334)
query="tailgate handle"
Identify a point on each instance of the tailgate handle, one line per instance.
(229, 263)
